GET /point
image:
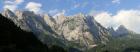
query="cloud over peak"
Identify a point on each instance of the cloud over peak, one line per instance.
(33, 6)
(129, 18)
(105, 19)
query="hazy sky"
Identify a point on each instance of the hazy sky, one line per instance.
(106, 12)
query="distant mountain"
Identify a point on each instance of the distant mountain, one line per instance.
(79, 31)
(120, 31)
(14, 39)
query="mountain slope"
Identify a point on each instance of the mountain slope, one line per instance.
(120, 31)
(79, 31)
(14, 39)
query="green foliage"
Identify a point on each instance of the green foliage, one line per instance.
(127, 43)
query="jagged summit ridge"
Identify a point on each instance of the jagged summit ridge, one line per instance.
(79, 31)
(120, 31)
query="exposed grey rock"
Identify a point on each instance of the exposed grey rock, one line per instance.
(120, 31)
(82, 30)
(17, 18)
(78, 31)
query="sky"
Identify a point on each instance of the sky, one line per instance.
(71, 7)
(109, 13)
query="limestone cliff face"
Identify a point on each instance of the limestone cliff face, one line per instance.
(79, 31)
(49, 20)
(17, 18)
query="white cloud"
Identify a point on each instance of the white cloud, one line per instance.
(61, 13)
(116, 1)
(53, 12)
(19, 1)
(129, 18)
(10, 7)
(56, 12)
(33, 6)
(106, 19)
(12, 4)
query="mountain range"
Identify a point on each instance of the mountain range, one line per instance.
(78, 32)
(120, 31)
(14, 39)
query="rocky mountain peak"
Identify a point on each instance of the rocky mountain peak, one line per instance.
(19, 14)
(78, 31)
(9, 14)
(49, 20)
(122, 30)
(60, 18)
